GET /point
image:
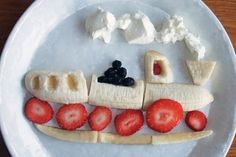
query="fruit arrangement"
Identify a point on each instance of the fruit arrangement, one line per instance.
(162, 106)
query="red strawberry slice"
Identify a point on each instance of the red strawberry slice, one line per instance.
(163, 115)
(156, 69)
(196, 120)
(71, 116)
(128, 122)
(99, 118)
(38, 111)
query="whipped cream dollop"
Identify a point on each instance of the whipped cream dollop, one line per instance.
(138, 28)
(124, 21)
(173, 29)
(194, 45)
(100, 25)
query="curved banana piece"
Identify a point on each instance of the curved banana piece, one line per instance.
(191, 97)
(61, 87)
(117, 139)
(72, 136)
(112, 96)
(152, 57)
(96, 137)
(179, 137)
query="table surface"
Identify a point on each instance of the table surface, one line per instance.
(11, 10)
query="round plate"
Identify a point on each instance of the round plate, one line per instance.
(51, 35)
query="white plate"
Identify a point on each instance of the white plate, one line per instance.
(51, 35)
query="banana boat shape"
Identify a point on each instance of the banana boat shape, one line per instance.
(60, 87)
(99, 137)
(112, 96)
(191, 97)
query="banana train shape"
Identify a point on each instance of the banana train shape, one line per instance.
(70, 87)
(99, 137)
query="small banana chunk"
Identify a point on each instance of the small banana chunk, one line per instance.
(72, 136)
(113, 96)
(179, 137)
(191, 97)
(117, 139)
(200, 70)
(60, 87)
(151, 58)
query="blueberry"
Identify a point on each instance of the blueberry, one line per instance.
(116, 64)
(122, 72)
(117, 80)
(109, 80)
(110, 72)
(128, 81)
(101, 79)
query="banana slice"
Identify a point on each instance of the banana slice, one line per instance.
(73, 136)
(152, 58)
(112, 96)
(179, 137)
(61, 87)
(191, 97)
(200, 70)
(117, 139)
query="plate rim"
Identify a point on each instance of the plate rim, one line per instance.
(233, 56)
(34, 4)
(7, 44)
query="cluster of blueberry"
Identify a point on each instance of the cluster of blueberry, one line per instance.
(116, 75)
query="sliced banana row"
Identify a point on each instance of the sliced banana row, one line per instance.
(99, 137)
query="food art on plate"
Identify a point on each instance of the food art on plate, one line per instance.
(157, 101)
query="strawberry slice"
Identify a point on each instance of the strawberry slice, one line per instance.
(71, 116)
(156, 68)
(128, 122)
(99, 118)
(163, 115)
(196, 120)
(38, 111)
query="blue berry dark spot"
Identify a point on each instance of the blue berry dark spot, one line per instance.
(101, 79)
(110, 72)
(117, 80)
(116, 64)
(122, 72)
(128, 81)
